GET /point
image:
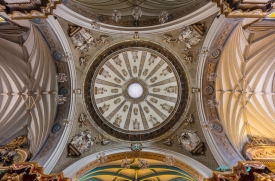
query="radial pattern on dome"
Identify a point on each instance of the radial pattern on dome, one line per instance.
(136, 91)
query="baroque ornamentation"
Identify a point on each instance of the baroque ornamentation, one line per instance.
(125, 111)
(81, 38)
(14, 152)
(192, 34)
(103, 39)
(190, 141)
(169, 39)
(80, 143)
(83, 59)
(102, 140)
(189, 121)
(169, 141)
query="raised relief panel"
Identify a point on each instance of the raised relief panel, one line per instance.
(156, 89)
(136, 125)
(114, 90)
(103, 39)
(102, 140)
(117, 80)
(104, 73)
(166, 71)
(135, 55)
(152, 59)
(153, 120)
(152, 80)
(171, 89)
(104, 108)
(169, 141)
(169, 39)
(145, 72)
(190, 141)
(80, 143)
(117, 61)
(83, 59)
(117, 120)
(135, 111)
(81, 38)
(100, 90)
(125, 108)
(166, 107)
(135, 69)
(191, 35)
(117, 101)
(124, 72)
(146, 109)
(153, 100)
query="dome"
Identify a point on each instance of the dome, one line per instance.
(136, 92)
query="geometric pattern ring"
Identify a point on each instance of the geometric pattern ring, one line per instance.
(134, 91)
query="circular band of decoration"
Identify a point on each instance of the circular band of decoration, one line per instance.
(136, 93)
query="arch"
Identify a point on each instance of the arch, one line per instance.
(183, 162)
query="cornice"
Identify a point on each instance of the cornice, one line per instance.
(215, 145)
(202, 13)
(51, 162)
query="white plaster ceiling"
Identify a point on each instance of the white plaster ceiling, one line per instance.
(27, 74)
(244, 88)
(146, 118)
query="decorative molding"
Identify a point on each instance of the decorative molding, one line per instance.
(193, 167)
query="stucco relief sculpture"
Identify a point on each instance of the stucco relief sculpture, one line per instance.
(192, 34)
(135, 69)
(153, 120)
(169, 141)
(100, 90)
(104, 108)
(151, 60)
(83, 59)
(61, 77)
(117, 121)
(146, 109)
(189, 121)
(135, 111)
(102, 140)
(81, 38)
(124, 72)
(169, 39)
(136, 124)
(117, 101)
(80, 143)
(171, 89)
(103, 39)
(125, 108)
(114, 90)
(60, 99)
(117, 80)
(166, 107)
(153, 100)
(105, 73)
(166, 71)
(145, 72)
(152, 80)
(118, 61)
(156, 89)
(135, 55)
(83, 120)
(190, 141)
(188, 58)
